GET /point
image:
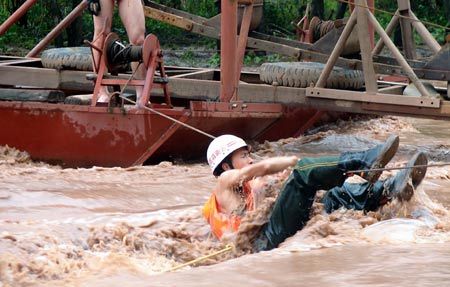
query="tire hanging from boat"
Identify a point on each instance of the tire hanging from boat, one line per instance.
(303, 74)
(74, 58)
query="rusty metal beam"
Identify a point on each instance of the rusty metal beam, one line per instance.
(373, 98)
(16, 16)
(302, 51)
(164, 137)
(279, 40)
(409, 48)
(242, 41)
(174, 11)
(425, 34)
(442, 113)
(59, 28)
(378, 109)
(168, 18)
(228, 50)
(19, 61)
(389, 30)
(182, 88)
(403, 63)
(213, 32)
(366, 55)
(191, 89)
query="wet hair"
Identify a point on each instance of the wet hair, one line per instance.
(219, 169)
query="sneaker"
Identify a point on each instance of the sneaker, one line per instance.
(379, 156)
(403, 184)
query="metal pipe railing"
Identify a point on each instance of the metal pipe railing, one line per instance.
(228, 49)
(16, 16)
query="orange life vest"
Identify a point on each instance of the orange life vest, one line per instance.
(220, 222)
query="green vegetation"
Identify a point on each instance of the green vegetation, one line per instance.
(278, 18)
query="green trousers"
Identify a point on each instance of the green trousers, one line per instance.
(293, 205)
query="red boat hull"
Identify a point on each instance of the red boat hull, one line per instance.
(83, 136)
(186, 144)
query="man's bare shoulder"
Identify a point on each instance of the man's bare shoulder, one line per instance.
(227, 180)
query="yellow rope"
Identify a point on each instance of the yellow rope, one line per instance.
(393, 14)
(229, 247)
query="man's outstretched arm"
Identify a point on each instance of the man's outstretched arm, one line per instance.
(262, 168)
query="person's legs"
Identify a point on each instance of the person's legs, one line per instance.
(359, 196)
(293, 205)
(292, 208)
(376, 157)
(403, 184)
(369, 197)
(102, 24)
(132, 14)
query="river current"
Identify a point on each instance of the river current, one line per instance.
(130, 226)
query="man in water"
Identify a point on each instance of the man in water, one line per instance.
(236, 191)
(132, 14)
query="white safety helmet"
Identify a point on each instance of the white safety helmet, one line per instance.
(221, 147)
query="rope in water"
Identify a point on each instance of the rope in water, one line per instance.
(396, 168)
(229, 247)
(394, 14)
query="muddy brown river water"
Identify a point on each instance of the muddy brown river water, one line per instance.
(126, 227)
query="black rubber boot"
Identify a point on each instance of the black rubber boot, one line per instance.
(376, 157)
(403, 184)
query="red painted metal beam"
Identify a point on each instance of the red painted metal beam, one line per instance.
(371, 5)
(242, 42)
(228, 49)
(16, 16)
(164, 137)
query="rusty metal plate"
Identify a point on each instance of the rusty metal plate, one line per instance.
(373, 98)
